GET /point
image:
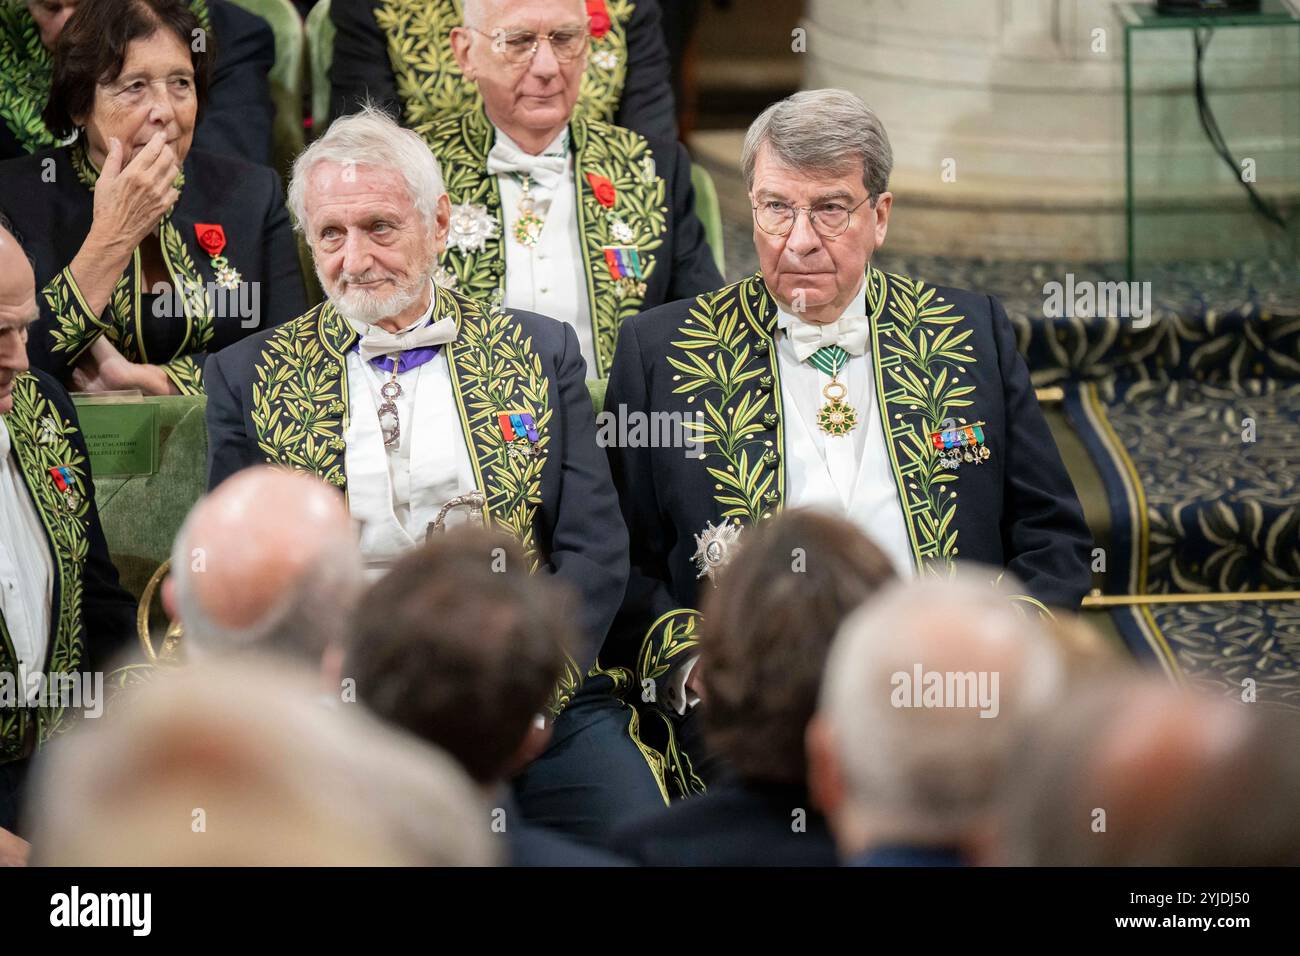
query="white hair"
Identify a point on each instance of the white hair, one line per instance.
(370, 137)
(825, 131)
(932, 772)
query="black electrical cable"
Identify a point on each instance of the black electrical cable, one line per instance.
(1212, 132)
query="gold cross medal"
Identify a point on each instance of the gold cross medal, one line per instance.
(836, 417)
(528, 227)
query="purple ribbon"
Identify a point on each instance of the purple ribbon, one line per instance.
(411, 358)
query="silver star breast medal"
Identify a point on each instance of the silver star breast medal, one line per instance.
(714, 547)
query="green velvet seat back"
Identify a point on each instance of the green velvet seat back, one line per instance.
(320, 51)
(142, 514)
(709, 212)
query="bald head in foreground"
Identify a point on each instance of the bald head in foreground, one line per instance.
(268, 560)
(1141, 773)
(928, 691)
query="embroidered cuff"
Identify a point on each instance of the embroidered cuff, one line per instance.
(186, 374)
(75, 326)
(668, 645)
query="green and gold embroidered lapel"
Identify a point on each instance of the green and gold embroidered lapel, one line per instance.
(77, 326)
(42, 440)
(495, 371)
(919, 357)
(621, 208)
(26, 70)
(726, 367)
(300, 409)
(725, 363)
(431, 86)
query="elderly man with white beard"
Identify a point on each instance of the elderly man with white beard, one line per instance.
(427, 408)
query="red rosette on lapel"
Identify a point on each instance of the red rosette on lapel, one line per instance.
(598, 18)
(211, 237)
(605, 192)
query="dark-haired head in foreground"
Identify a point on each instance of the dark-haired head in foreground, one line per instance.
(461, 645)
(766, 632)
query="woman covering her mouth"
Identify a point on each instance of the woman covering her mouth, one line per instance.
(149, 255)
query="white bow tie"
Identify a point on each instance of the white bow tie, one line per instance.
(849, 332)
(376, 342)
(545, 171)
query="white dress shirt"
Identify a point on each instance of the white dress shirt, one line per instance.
(26, 568)
(550, 277)
(847, 474)
(396, 492)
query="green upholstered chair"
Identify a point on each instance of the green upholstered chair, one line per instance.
(320, 53)
(142, 514)
(710, 213)
(286, 76)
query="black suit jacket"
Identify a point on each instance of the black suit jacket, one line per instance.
(54, 219)
(239, 115)
(362, 67)
(575, 523)
(237, 118)
(716, 355)
(92, 618)
(740, 824)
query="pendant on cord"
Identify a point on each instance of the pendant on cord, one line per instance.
(836, 417)
(528, 227)
(389, 424)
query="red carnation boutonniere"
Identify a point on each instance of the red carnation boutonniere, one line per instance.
(598, 16)
(211, 237)
(605, 192)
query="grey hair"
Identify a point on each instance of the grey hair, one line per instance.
(309, 617)
(824, 131)
(370, 137)
(933, 773)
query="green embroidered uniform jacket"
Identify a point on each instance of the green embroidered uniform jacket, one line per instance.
(645, 218)
(397, 53)
(236, 119)
(49, 196)
(938, 354)
(282, 397)
(91, 617)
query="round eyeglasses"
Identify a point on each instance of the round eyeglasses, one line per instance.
(518, 47)
(829, 219)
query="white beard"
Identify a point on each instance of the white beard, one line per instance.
(363, 306)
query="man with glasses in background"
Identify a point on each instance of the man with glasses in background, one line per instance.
(553, 211)
(824, 382)
(398, 54)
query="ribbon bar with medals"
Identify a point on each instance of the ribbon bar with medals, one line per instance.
(965, 443)
(520, 433)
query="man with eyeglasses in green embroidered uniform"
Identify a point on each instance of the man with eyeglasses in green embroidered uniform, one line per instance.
(824, 382)
(552, 211)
